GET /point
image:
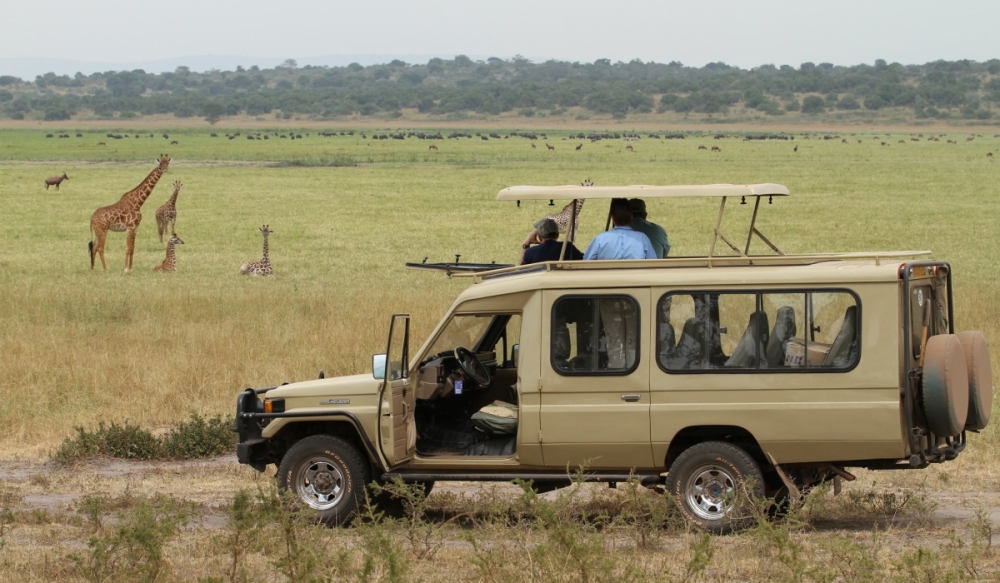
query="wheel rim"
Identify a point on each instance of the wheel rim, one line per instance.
(320, 483)
(710, 491)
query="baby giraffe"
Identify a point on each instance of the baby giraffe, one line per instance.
(168, 212)
(262, 267)
(170, 263)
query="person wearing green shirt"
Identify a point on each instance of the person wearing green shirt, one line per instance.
(657, 235)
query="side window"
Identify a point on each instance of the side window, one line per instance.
(595, 335)
(774, 331)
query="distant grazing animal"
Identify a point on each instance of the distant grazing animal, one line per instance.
(169, 264)
(579, 147)
(716, 149)
(262, 267)
(165, 136)
(101, 144)
(432, 147)
(702, 148)
(55, 181)
(167, 214)
(859, 141)
(795, 149)
(989, 154)
(124, 215)
(630, 148)
(532, 146)
(843, 141)
(901, 142)
(550, 147)
(883, 143)
(174, 142)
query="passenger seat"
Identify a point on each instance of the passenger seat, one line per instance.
(777, 343)
(752, 344)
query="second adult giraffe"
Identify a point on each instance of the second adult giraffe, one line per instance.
(167, 214)
(124, 215)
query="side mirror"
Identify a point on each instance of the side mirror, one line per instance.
(514, 350)
(378, 366)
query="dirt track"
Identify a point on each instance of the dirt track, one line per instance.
(56, 488)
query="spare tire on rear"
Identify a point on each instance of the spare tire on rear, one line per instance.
(977, 364)
(945, 386)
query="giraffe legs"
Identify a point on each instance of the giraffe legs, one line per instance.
(129, 249)
(161, 226)
(98, 249)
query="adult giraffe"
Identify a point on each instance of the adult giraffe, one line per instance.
(124, 215)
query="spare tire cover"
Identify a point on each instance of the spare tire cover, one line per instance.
(977, 363)
(946, 386)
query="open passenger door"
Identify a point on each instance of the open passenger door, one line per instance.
(397, 399)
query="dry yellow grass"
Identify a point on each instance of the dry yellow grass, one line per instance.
(82, 347)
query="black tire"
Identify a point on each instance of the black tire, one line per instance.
(710, 483)
(977, 364)
(326, 474)
(945, 386)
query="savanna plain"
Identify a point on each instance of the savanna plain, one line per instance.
(84, 349)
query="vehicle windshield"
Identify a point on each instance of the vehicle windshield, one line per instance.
(461, 331)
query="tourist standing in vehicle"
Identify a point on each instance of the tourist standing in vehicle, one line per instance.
(547, 234)
(657, 235)
(621, 242)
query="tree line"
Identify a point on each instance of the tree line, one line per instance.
(940, 89)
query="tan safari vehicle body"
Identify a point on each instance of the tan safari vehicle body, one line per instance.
(703, 375)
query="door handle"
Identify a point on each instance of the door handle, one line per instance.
(630, 398)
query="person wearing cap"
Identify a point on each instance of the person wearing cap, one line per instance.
(657, 235)
(546, 234)
(621, 242)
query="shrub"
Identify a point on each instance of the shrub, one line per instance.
(131, 549)
(199, 438)
(196, 438)
(121, 441)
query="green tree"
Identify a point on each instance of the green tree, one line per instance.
(213, 112)
(813, 104)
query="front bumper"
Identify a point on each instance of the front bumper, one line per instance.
(252, 448)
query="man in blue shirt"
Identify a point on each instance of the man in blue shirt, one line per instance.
(657, 235)
(550, 248)
(621, 242)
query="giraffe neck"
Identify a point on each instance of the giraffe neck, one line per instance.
(139, 194)
(173, 197)
(171, 255)
(266, 258)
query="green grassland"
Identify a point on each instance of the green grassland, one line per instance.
(84, 346)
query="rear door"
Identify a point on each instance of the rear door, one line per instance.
(595, 379)
(397, 399)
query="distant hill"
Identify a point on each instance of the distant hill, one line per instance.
(941, 90)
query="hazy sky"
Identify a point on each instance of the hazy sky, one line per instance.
(739, 32)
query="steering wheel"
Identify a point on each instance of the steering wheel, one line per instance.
(471, 366)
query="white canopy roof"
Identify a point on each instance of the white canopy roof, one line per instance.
(573, 191)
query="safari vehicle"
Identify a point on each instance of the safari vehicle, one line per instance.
(702, 375)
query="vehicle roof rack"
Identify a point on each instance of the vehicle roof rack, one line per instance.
(694, 261)
(577, 191)
(587, 190)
